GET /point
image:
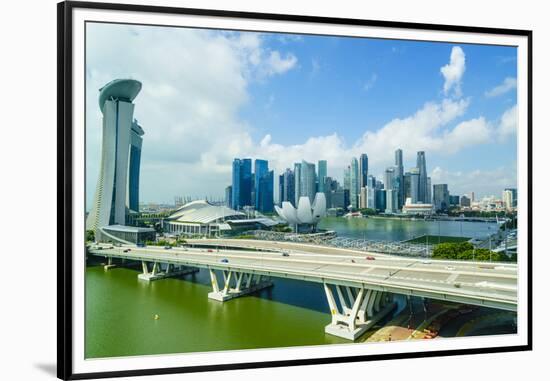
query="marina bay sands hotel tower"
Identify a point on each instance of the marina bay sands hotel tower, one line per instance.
(118, 184)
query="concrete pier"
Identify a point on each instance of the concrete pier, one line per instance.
(357, 312)
(169, 271)
(236, 284)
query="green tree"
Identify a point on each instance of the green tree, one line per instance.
(451, 250)
(367, 211)
(90, 236)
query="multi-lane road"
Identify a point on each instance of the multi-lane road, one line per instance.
(478, 283)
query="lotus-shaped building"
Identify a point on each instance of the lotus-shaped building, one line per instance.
(306, 213)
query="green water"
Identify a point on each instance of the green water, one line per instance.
(120, 313)
(120, 308)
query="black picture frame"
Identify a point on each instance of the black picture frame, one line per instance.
(65, 181)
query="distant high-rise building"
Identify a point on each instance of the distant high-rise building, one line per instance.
(508, 199)
(307, 180)
(264, 193)
(242, 184)
(287, 189)
(118, 183)
(297, 185)
(354, 183)
(380, 199)
(414, 175)
(454, 200)
(399, 178)
(347, 174)
(228, 196)
(363, 169)
(514, 196)
(260, 170)
(322, 174)
(407, 185)
(472, 197)
(441, 197)
(363, 197)
(429, 197)
(389, 178)
(465, 201)
(391, 200)
(422, 177)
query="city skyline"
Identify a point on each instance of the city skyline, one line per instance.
(461, 113)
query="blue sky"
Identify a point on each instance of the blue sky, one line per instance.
(209, 96)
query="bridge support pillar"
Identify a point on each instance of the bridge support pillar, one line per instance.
(169, 270)
(236, 284)
(109, 265)
(358, 310)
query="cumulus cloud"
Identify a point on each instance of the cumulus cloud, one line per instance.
(483, 182)
(508, 123)
(276, 64)
(195, 82)
(453, 71)
(508, 84)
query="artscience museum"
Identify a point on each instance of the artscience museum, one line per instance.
(306, 216)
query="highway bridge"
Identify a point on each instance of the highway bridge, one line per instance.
(360, 287)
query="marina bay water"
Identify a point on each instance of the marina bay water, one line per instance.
(120, 309)
(388, 229)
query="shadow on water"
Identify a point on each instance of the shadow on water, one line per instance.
(287, 291)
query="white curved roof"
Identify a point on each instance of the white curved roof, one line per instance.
(203, 212)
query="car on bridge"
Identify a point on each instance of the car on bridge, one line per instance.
(224, 260)
(167, 247)
(285, 254)
(370, 258)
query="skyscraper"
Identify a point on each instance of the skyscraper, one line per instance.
(441, 197)
(322, 174)
(307, 180)
(118, 182)
(242, 183)
(363, 169)
(514, 196)
(391, 200)
(260, 170)
(297, 182)
(508, 199)
(264, 193)
(389, 178)
(415, 185)
(228, 196)
(287, 189)
(354, 183)
(429, 197)
(422, 178)
(400, 186)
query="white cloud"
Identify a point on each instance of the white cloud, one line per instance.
(194, 84)
(370, 83)
(454, 71)
(482, 182)
(508, 124)
(276, 64)
(508, 84)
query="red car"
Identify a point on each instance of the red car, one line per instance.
(370, 258)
